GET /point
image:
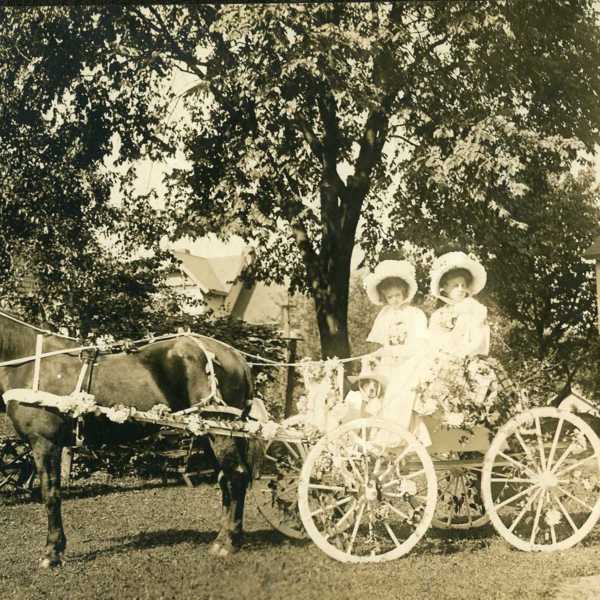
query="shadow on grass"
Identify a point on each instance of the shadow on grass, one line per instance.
(440, 541)
(591, 539)
(92, 489)
(253, 540)
(20, 496)
(453, 541)
(89, 490)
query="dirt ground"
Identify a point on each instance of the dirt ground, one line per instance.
(140, 539)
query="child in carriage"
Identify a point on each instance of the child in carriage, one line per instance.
(459, 327)
(454, 374)
(400, 330)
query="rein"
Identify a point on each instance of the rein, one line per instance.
(21, 361)
(260, 360)
(214, 393)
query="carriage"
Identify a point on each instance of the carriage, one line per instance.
(368, 490)
(360, 498)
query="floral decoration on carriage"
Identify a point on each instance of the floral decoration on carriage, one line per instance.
(324, 391)
(469, 393)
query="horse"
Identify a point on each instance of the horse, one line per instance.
(171, 372)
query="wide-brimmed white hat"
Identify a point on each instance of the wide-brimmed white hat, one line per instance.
(368, 370)
(457, 260)
(387, 269)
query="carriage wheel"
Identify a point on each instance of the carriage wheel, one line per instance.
(459, 504)
(367, 492)
(541, 480)
(16, 465)
(276, 491)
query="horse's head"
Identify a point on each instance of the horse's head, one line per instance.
(232, 374)
(16, 341)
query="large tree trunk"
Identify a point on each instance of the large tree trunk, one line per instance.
(330, 294)
(333, 329)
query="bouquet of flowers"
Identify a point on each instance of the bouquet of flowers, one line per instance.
(323, 382)
(324, 377)
(469, 392)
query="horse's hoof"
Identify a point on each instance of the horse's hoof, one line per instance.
(49, 563)
(220, 550)
(215, 549)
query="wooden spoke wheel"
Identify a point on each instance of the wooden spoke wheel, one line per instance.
(460, 504)
(276, 490)
(541, 480)
(17, 470)
(367, 492)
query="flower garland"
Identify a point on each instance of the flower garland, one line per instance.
(79, 404)
(323, 384)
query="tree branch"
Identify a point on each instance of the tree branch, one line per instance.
(177, 51)
(404, 139)
(303, 242)
(311, 138)
(328, 112)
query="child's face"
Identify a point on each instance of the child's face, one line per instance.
(393, 295)
(456, 287)
(369, 389)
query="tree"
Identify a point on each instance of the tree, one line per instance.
(59, 228)
(290, 97)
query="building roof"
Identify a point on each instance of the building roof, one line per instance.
(594, 250)
(227, 269)
(215, 274)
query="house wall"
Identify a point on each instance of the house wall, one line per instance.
(184, 285)
(261, 304)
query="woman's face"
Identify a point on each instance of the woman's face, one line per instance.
(393, 295)
(456, 287)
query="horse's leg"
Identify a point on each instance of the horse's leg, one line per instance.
(234, 478)
(47, 461)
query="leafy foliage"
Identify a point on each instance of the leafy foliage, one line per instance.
(406, 98)
(310, 127)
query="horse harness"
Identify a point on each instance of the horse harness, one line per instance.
(88, 360)
(88, 355)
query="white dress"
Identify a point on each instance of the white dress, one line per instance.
(402, 334)
(460, 329)
(456, 332)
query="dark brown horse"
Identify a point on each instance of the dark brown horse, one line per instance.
(171, 372)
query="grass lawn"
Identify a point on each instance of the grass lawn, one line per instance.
(140, 539)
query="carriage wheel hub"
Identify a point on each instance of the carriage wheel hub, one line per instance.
(547, 480)
(372, 492)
